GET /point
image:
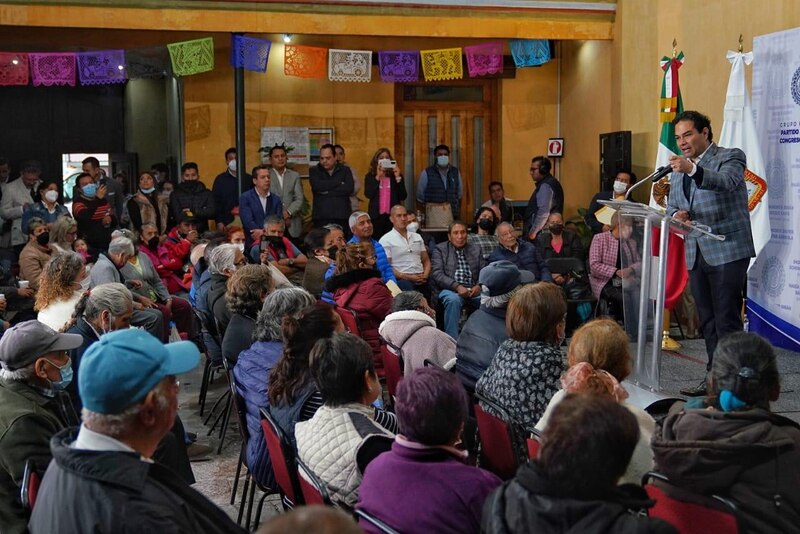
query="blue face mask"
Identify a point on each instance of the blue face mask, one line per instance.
(148, 190)
(89, 190)
(442, 161)
(66, 375)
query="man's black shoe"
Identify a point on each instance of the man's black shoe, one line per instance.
(699, 390)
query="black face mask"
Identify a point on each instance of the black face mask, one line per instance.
(275, 240)
(152, 243)
(332, 252)
(556, 229)
(486, 224)
(43, 238)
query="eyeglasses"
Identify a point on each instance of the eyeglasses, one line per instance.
(241, 263)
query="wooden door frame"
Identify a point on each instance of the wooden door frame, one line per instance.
(489, 107)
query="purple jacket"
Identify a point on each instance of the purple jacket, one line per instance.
(424, 490)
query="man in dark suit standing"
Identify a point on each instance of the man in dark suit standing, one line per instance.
(708, 187)
(331, 184)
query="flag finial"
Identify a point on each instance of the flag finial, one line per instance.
(674, 47)
(740, 43)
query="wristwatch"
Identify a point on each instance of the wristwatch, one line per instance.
(291, 262)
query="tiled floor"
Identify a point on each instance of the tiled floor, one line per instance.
(215, 476)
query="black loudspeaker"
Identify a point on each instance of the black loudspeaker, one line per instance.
(615, 154)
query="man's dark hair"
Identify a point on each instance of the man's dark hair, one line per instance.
(91, 160)
(545, 165)
(587, 446)
(277, 147)
(454, 224)
(80, 176)
(189, 165)
(699, 121)
(338, 364)
(494, 183)
(231, 150)
(627, 171)
(261, 167)
(441, 147)
(327, 146)
(316, 239)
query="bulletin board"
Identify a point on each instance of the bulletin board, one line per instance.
(302, 144)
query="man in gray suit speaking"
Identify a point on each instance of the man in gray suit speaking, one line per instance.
(708, 187)
(287, 185)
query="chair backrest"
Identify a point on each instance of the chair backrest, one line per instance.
(690, 513)
(314, 490)
(240, 406)
(349, 319)
(198, 340)
(283, 458)
(534, 443)
(375, 522)
(30, 485)
(565, 265)
(208, 325)
(392, 365)
(497, 442)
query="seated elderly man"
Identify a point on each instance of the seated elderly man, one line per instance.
(361, 225)
(407, 254)
(102, 478)
(34, 369)
(107, 269)
(485, 330)
(277, 250)
(521, 253)
(454, 272)
(223, 261)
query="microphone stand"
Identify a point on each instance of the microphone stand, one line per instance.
(658, 174)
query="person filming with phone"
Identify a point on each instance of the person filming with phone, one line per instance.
(275, 249)
(384, 187)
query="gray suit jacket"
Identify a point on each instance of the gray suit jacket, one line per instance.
(720, 202)
(291, 193)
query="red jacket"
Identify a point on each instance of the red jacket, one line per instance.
(168, 267)
(364, 292)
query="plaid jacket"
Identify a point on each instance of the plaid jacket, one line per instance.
(720, 203)
(603, 259)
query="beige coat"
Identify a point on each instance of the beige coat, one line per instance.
(32, 260)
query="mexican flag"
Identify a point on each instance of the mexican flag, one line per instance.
(739, 131)
(671, 104)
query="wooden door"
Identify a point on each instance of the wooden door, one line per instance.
(458, 114)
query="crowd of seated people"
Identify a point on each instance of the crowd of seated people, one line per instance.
(479, 313)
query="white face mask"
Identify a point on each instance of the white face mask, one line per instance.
(443, 160)
(620, 187)
(413, 227)
(232, 165)
(86, 283)
(51, 196)
(240, 246)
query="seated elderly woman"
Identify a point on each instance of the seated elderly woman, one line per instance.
(731, 444)
(424, 483)
(599, 360)
(358, 286)
(245, 294)
(342, 438)
(571, 486)
(253, 368)
(36, 253)
(524, 373)
(62, 283)
(412, 328)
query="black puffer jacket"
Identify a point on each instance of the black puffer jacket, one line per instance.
(90, 491)
(194, 196)
(480, 338)
(750, 456)
(527, 503)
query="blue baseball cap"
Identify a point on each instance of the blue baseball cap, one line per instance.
(122, 367)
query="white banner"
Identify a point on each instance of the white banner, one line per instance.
(773, 304)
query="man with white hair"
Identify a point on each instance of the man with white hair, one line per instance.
(102, 477)
(34, 369)
(107, 269)
(361, 226)
(222, 263)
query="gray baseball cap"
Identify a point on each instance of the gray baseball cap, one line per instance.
(24, 343)
(502, 277)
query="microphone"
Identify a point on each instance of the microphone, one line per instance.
(661, 172)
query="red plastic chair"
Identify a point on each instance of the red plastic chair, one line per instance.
(392, 366)
(349, 319)
(283, 458)
(534, 443)
(30, 485)
(314, 491)
(497, 446)
(690, 513)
